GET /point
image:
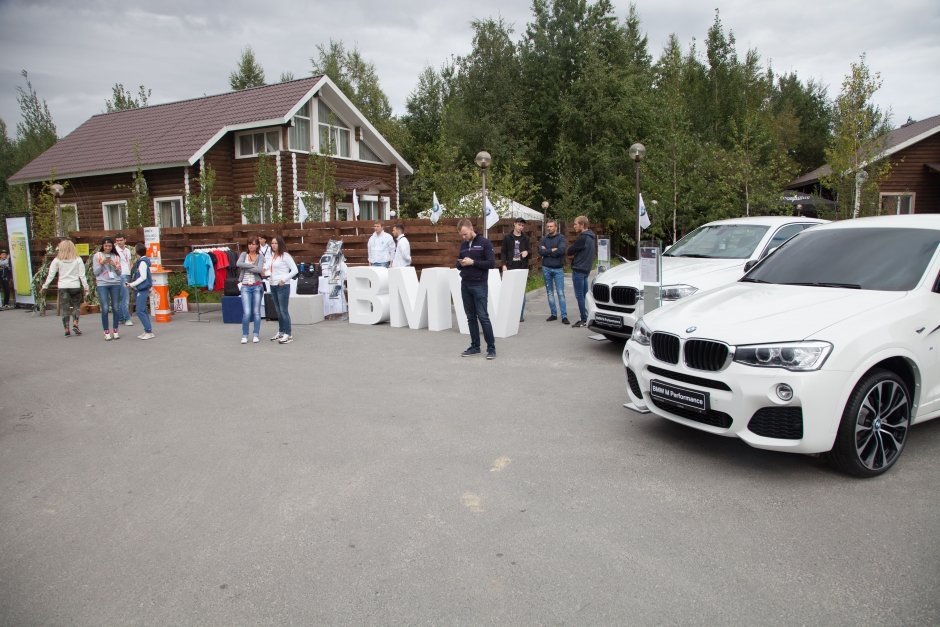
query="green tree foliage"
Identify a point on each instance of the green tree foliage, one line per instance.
(286, 77)
(203, 205)
(263, 206)
(320, 178)
(36, 132)
(139, 209)
(122, 99)
(44, 211)
(249, 72)
(857, 140)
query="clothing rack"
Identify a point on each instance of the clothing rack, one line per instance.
(194, 248)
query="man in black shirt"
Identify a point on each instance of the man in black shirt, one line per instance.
(515, 253)
(475, 260)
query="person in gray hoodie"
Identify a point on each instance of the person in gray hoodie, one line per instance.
(582, 251)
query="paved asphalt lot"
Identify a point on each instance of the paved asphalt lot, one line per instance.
(370, 475)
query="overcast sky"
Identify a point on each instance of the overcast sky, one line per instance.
(75, 51)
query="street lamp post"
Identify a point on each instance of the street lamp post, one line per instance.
(860, 177)
(58, 191)
(483, 161)
(637, 152)
(544, 215)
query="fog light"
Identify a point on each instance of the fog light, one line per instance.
(784, 392)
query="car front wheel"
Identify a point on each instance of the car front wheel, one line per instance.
(874, 425)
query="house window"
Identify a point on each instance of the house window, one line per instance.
(168, 212)
(257, 209)
(254, 143)
(298, 137)
(334, 136)
(115, 215)
(372, 208)
(366, 153)
(69, 215)
(898, 204)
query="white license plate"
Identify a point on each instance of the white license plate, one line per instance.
(611, 322)
(669, 393)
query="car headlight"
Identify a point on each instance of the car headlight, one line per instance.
(796, 356)
(641, 333)
(675, 292)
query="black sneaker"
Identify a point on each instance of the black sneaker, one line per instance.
(470, 352)
(491, 354)
(67, 334)
(565, 321)
(579, 323)
(76, 330)
(551, 318)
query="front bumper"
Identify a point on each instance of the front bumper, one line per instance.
(612, 320)
(742, 401)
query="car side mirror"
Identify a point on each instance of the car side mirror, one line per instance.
(750, 264)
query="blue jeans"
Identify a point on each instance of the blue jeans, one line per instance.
(474, 305)
(281, 294)
(381, 264)
(110, 298)
(141, 302)
(251, 308)
(125, 299)
(580, 281)
(555, 282)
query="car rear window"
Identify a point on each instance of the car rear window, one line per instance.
(889, 259)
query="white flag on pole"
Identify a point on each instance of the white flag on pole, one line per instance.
(436, 210)
(644, 217)
(302, 214)
(355, 204)
(491, 217)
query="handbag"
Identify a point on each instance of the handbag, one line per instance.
(307, 285)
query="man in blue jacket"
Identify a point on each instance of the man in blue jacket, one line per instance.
(582, 251)
(475, 260)
(552, 249)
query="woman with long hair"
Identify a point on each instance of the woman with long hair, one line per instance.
(72, 284)
(280, 270)
(142, 281)
(250, 268)
(106, 266)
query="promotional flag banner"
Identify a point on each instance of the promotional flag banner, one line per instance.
(644, 217)
(436, 210)
(491, 217)
(301, 208)
(355, 204)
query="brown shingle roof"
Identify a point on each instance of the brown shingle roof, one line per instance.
(898, 139)
(168, 134)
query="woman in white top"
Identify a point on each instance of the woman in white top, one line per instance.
(280, 270)
(72, 284)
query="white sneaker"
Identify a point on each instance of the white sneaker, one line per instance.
(285, 339)
(116, 335)
(146, 336)
(255, 340)
(129, 323)
(276, 337)
(107, 336)
(245, 340)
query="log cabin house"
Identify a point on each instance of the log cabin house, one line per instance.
(171, 143)
(913, 185)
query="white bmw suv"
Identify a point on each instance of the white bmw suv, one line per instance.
(713, 254)
(830, 345)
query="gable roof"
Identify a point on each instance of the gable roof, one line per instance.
(179, 133)
(894, 141)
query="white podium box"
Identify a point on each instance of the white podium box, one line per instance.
(305, 308)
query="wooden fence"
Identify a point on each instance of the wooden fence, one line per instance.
(432, 245)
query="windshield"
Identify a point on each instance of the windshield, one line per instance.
(869, 259)
(719, 241)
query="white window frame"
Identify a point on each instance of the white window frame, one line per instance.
(261, 220)
(65, 207)
(334, 131)
(911, 195)
(383, 206)
(107, 220)
(309, 119)
(156, 211)
(256, 131)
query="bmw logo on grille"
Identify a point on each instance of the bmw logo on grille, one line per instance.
(691, 330)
